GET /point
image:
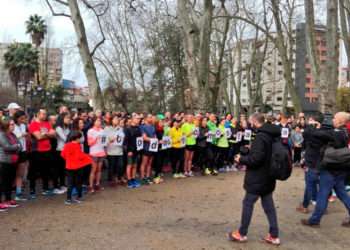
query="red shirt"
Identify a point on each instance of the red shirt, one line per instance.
(40, 145)
(75, 158)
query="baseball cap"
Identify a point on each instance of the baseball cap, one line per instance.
(160, 117)
(13, 105)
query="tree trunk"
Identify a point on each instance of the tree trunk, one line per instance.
(344, 10)
(86, 57)
(332, 57)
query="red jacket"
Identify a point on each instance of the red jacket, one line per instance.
(74, 156)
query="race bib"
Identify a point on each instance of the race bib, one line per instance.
(285, 133)
(139, 143)
(210, 137)
(228, 132)
(247, 135)
(239, 136)
(217, 133)
(166, 142)
(196, 132)
(119, 140)
(153, 145)
(183, 141)
(103, 139)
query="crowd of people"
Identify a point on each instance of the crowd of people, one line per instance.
(72, 150)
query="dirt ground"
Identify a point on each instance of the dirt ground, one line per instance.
(179, 214)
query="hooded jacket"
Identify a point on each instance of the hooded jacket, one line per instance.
(257, 179)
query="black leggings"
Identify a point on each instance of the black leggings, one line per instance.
(202, 157)
(115, 166)
(41, 163)
(75, 180)
(7, 176)
(297, 155)
(158, 163)
(59, 170)
(177, 160)
(221, 156)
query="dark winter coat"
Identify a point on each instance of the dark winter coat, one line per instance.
(257, 178)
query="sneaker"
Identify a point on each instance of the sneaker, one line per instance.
(63, 189)
(58, 191)
(228, 169)
(11, 204)
(176, 176)
(149, 181)
(32, 196)
(181, 175)
(214, 172)
(99, 188)
(130, 184)
(302, 209)
(306, 222)
(77, 201)
(19, 197)
(144, 182)
(347, 188)
(332, 198)
(190, 174)
(207, 171)
(3, 208)
(346, 222)
(234, 169)
(136, 183)
(237, 237)
(47, 193)
(271, 240)
(91, 190)
(157, 180)
(222, 170)
(68, 202)
(313, 203)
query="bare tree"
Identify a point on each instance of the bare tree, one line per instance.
(98, 8)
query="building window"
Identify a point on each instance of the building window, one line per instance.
(280, 72)
(279, 99)
(280, 63)
(269, 64)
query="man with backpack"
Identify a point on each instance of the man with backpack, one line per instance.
(258, 181)
(332, 175)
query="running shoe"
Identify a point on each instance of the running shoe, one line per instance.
(237, 237)
(32, 196)
(136, 183)
(149, 180)
(181, 175)
(20, 197)
(302, 209)
(63, 188)
(190, 174)
(91, 190)
(306, 222)
(313, 203)
(3, 207)
(58, 191)
(176, 176)
(99, 188)
(222, 170)
(214, 172)
(68, 202)
(346, 222)
(130, 184)
(47, 193)
(77, 201)
(332, 198)
(157, 180)
(11, 204)
(207, 171)
(144, 182)
(272, 240)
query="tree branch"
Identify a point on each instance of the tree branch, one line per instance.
(98, 15)
(53, 11)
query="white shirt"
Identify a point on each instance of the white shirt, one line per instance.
(20, 131)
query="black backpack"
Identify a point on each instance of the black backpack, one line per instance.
(281, 164)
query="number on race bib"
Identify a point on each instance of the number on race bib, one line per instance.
(104, 140)
(239, 136)
(139, 143)
(166, 142)
(228, 132)
(247, 135)
(210, 137)
(218, 133)
(196, 132)
(285, 133)
(119, 140)
(153, 145)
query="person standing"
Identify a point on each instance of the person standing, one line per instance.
(332, 176)
(257, 182)
(188, 129)
(41, 131)
(9, 150)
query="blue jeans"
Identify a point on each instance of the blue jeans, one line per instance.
(312, 180)
(328, 182)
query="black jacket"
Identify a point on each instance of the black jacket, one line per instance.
(257, 178)
(337, 138)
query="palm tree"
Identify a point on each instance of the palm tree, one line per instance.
(37, 29)
(21, 61)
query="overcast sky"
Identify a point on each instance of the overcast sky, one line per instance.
(14, 13)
